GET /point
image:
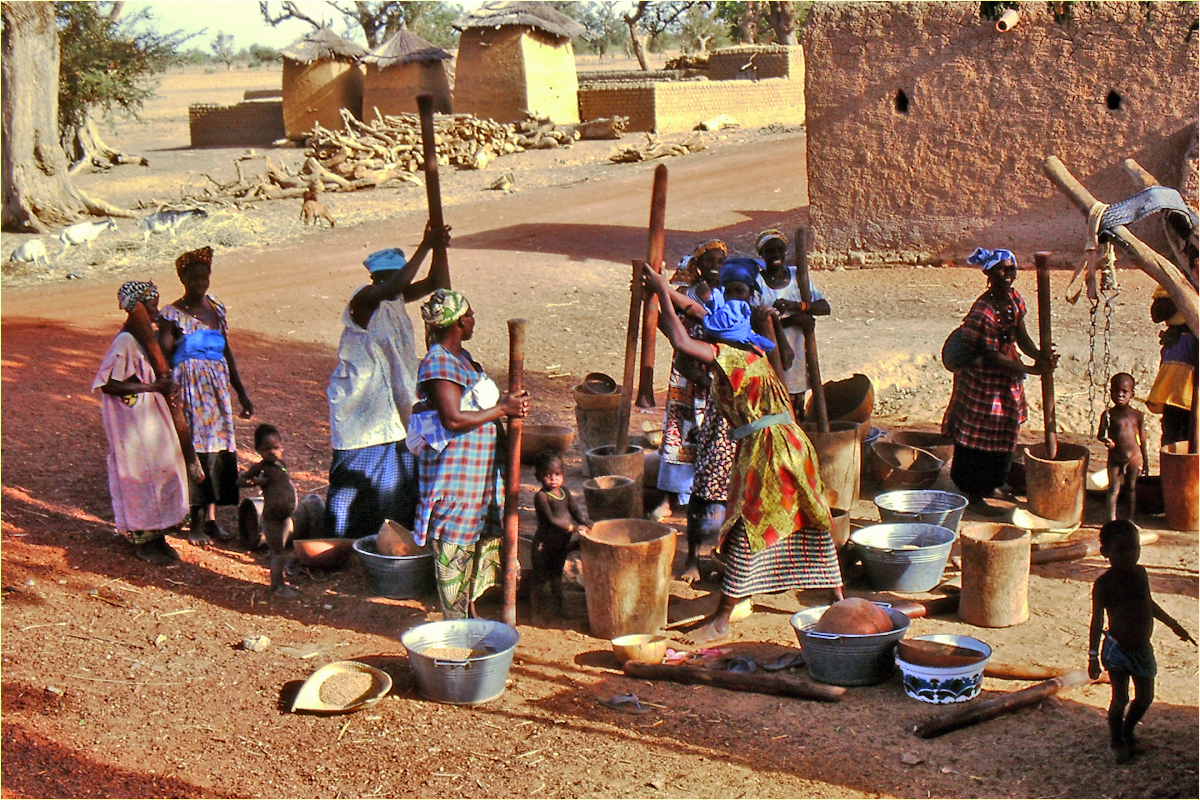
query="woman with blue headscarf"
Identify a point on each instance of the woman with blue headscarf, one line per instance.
(371, 393)
(987, 406)
(775, 536)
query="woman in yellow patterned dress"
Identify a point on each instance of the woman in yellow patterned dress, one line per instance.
(776, 531)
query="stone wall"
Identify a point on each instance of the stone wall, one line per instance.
(258, 122)
(927, 127)
(394, 90)
(316, 93)
(501, 73)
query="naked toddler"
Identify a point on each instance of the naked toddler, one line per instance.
(279, 501)
(559, 518)
(1122, 429)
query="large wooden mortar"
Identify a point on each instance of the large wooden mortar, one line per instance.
(1055, 485)
(1180, 472)
(995, 575)
(627, 576)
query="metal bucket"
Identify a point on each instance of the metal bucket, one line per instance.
(612, 497)
(399, 577)
(839, 457)
(890, 567)
(468, 682)
(845, 659)
(922, 505)
(627, 576)
(1055, 486)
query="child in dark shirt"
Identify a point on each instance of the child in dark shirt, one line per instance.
(559, 518)
(1123, 431)
(279, 501)
(1123, 593)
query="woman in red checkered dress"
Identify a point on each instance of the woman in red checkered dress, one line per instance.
(987, 406)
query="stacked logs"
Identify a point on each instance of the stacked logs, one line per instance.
(656, 148)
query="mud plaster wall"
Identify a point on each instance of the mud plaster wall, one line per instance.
(501, 73)
(962, 167)
(676, 107)
(259, 122)
(315, 92)
(394, 90)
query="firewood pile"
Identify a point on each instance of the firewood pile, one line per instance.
(656, 148)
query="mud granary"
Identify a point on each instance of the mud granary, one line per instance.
(401, 69)
(927, 126)
(321, 76)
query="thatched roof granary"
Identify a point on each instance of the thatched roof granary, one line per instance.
(400, 69)
(516, 57)
(320, 76)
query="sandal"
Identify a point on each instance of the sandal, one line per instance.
(742, 664)
(627, 703)
(215, 531)
(785, 661)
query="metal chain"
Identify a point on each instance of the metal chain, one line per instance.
(1091, 365)
(1110, 291)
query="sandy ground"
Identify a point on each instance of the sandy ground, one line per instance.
(157, 698)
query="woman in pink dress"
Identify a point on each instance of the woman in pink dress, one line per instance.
(146, 474)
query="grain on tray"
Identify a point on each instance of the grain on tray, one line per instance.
(345, 688)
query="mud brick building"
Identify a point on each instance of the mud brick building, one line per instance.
(927, 127)
(399, 70)
(321, 76)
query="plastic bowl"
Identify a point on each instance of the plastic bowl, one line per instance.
(323, 553)
(640, 647)
(904, 556)
(943, 685)
(536, 438)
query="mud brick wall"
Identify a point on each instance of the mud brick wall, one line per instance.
(927, 127)
(316, 93)
(259, 122)
(772, 61)
(675, 107)
(501, 73)
(394, 89)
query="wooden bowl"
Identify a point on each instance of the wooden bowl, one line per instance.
(323, 553)
(941, 445)
(536, 438)
(640, 647)
(849, 400)
(899, 466)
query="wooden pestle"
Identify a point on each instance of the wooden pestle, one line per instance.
(810, 335)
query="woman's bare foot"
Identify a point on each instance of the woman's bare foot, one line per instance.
(217, 532)
(714, 631)
(164, 547)
(284, 592)
(197, 537)
(691, 570)
(148, 551)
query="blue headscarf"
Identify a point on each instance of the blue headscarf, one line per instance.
(740, 268)
(382, 260)
(731, 323)
(986, 259)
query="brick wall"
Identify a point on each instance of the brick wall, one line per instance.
(259, 122)
(674, 107)
(771, 61)
(927, 127)
(624, 98)
(394, 90)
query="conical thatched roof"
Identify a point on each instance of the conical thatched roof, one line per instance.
(404, 48)
(535, 15)
(323, 44)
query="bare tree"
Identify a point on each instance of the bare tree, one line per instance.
(379, 21)
(650, 20)
(222, 47)
(37, 191)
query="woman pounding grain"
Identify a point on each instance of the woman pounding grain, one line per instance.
(776, 531)
(454, 431)
(193, 335)
(987, 405)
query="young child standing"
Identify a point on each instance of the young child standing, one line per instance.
(559, 518)
(1123, 593)
(1123, 431)
(279, 501)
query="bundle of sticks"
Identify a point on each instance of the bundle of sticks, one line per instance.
(657, 148)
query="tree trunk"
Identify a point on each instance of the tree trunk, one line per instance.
(638, 42)
(37, 191)
(782, 17)
(88, 148)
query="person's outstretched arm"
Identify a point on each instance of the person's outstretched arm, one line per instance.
(1170, 622)
(669, 322)
(1097, 628)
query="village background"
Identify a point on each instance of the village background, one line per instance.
(118, 680)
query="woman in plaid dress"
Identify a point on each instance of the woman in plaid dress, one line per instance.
(454, 432)
(987, 405)
(776, 531)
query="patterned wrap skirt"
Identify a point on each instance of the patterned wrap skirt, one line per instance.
(805, 560)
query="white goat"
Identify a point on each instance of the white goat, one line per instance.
(83, 232)
(32, 250)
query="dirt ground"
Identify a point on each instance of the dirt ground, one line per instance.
(124, 680)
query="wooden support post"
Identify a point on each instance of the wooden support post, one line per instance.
(1150, 262)
(810, 334)
(510, 567)
(654, 257)
(775, 685)
(1042, 259)
(631, 343)
(990, 709)
(440, 263)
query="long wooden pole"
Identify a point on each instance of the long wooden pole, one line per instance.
(811, 363)
(143, 331)
(994, 707)
(1042, 259)
(440, 262)
(760, 684)
(631, 343)
(1153, 264)
(510, 567)
(654, 257)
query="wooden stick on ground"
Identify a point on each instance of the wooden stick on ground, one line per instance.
(440, 263)
(510, 567)
(654, 257)
(1042, 259)
(631, 343)
(996, 706)
(810, 334)
(759, 684)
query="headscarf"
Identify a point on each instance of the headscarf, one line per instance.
(381, 260)
(686, 273)
(193, 257)
(443, 308)
(986, 259)
(133, 292)
(711, 244)
(731, 323)
(768, 235)
(740, 268)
